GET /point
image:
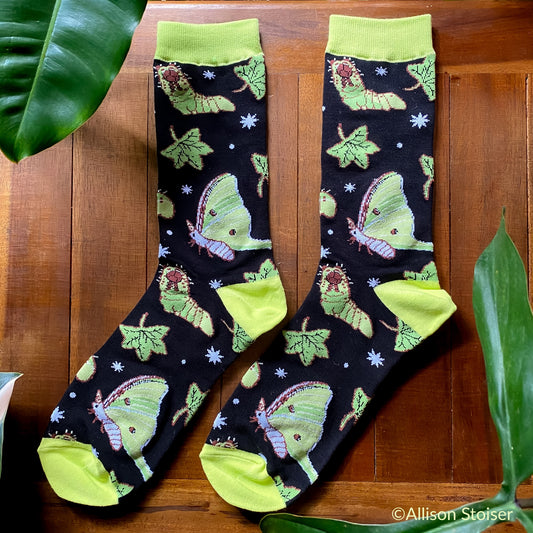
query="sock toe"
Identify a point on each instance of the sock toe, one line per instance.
(75, 473)
(241, 478)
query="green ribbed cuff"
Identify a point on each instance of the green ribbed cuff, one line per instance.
(208, 44)
(393, 40)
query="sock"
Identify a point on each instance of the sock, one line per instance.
(377, 293)
(216, 288)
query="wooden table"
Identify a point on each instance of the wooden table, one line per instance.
(79, 245)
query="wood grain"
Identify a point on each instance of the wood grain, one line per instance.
(79, 245)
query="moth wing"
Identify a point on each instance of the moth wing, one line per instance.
(299, 414)
(134, 407)
(388, 216)
(225, 217)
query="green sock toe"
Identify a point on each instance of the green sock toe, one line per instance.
(75, 473)
(241, 478)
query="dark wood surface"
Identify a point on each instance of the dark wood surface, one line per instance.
(79, 245)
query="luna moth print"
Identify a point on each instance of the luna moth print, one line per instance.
(335, 299)
(184, 98)
(223, 224)
(424, 74)
(128, 416)
(287, 492)
(176, 299)
(351, 89)
(293, 423)
(386, 223)
(253, 76)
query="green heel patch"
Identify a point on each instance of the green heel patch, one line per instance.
(422, 305)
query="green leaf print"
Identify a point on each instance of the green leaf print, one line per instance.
(359, 403)
(260, 163)
(145, 340)
(165, 206)
(253, 76)
(424, 74)
(428, 273)
(241, 339)
(266, 270)
(187, 149)
(307, 344)
(406, 337)
(353, 149)
(194, 399)
(426, 162)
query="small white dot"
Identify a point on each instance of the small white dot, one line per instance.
(330, 232)
(231, 146)
(169, 232)
(183, 361)
(399, 145)
(323, 108)
(346, 365)
(236, 401)
(72, 395)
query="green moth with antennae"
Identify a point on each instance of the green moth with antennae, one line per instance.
(129, 416)
(349, 84)
(223, 224)
(386, 223)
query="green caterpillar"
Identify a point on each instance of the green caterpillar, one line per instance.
(175, 298)
(353, 92)
(184, 98)
(336, 301)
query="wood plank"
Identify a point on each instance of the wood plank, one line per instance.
(193, 507)
(35, 271)
(488, 171)
(109, 216)
(403, 441)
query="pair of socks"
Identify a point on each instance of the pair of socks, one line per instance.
(217, 288)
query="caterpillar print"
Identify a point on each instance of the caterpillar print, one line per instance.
(175, 298)
(184, 98)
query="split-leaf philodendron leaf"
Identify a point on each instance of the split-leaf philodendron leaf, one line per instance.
(505, 325)
(57, 61)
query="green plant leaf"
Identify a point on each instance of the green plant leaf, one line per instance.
(470, 518)
(505, 326)
(353, 149)
(253, 75)
(57, 61)
(7, 382)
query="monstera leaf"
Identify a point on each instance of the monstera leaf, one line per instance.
(57, 61)
(7, 382)
(505, 326)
